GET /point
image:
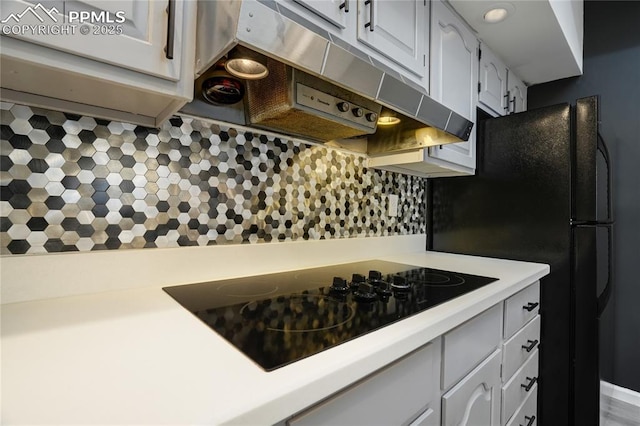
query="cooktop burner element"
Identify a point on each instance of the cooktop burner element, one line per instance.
(280, 318)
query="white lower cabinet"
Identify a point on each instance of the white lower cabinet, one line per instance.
(475, 400)
(483, 372)
(406, 392)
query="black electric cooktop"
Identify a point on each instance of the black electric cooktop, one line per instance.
(277, 319)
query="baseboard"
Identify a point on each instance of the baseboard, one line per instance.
(618, 405)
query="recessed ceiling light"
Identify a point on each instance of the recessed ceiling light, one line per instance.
(496, 15)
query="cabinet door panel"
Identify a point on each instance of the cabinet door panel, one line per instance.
(475, 400)
(454, 77)
(127, 33)
(493, 82)
(399, 31)
(517, 94)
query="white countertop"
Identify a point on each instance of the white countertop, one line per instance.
(135, 356)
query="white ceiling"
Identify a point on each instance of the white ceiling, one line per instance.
(540, 41)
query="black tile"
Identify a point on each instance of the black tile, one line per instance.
(20, 201)
(70, 182)
(5, 132)
(20, 142)
(39, 122)
(54, 245)
(100, 184)
(55, 146)
(5, 224)
(5, 163)
(37, 224)
(18, 246)
(70, 224)
(86, 163)
(85, 231)
(37, 165)
(55, 202)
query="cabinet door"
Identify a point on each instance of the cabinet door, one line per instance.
(127, 33)
(475, 400)
(517, 94)
(400, 393)
(454, 77)
(333, 11)
(397, 29)
(493, 82)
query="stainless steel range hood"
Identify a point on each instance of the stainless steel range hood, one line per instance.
(277, 33)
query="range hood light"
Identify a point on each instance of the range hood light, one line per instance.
(388, 121)
(246, 64)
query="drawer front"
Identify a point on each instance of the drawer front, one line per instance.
(395, 395)
(518, 348)
(527, 413)
(467, 345)
(521, 385)
(520, 308)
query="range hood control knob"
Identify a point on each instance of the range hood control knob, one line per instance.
(358, 112)
(371, 117)
(343, 106)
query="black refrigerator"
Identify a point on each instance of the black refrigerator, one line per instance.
(542, 193)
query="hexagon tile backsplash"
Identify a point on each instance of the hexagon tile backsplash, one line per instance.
(73, 183)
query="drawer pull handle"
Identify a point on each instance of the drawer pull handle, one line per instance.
(371, 9)
(530, 420)
(171, 29)
(532, 344)
(345, 6)
(528, 386)
(530, 306)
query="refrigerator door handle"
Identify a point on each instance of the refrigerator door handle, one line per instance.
(604, 297)
(602, 147)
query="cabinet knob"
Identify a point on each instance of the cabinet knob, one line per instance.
(530, 306)
(531, 344)
(532, 381)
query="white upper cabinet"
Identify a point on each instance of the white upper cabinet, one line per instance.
(493, 82)
(132, 34)
(397, 29)
(501, 92)
(127, 60)
(393, 32)
(335, 12)
(454, 78)
(517, 94)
